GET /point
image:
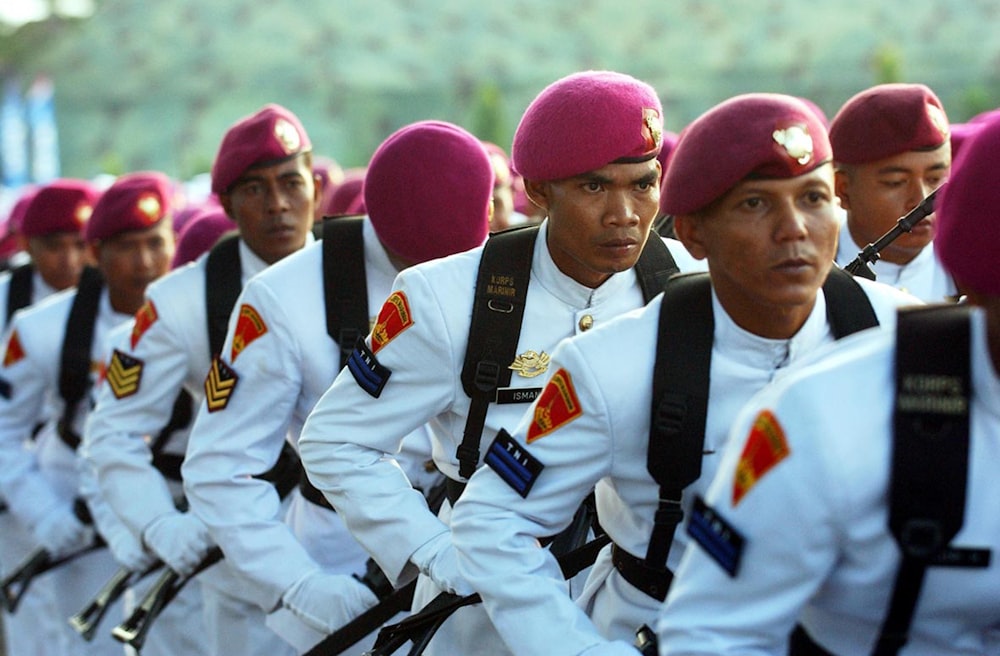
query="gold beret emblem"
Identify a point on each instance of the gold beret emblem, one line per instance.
(82, 212)
(652, 128)
(287, 135)
(938, 118)
(796, 141)
(149, 207)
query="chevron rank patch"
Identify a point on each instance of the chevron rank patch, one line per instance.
(124, 373)
(219, 385)
(766, 446)
(368, 373)
(716, 536)
(249, 326)
(557, 406)
(393, 318)
(15, 352)
(144, 318)
(512, 462)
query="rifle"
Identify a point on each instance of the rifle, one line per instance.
(861, 265)
(86, 620)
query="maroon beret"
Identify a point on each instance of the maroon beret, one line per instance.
(15, 219)
(967, 239)
(60, 206)
(271, 135)
(764, 135)
(346, 197)
(200, 233)
(428, 191)
(887, 120)
(585, 121)
(134, 201)
(960, 133)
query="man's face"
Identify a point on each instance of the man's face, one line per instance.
(599, 221)
(877, 194)
(133, 259)
(58, 257)
(274, 207)
(770, 244)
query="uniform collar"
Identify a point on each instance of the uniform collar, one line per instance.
(250, 262)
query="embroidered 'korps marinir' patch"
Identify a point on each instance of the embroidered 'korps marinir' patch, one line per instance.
(219, 385)
(124, 374)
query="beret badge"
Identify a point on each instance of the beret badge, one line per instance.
(82, 212)
(938, 118)
(652, 128)
(286, 133)
(796, 141)
(148, 207)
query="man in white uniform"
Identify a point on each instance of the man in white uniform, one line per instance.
(586, 147)
(427, 190)
(263, 177)
(891, 148)
(750, 186)
(51, 362)
(823, 463)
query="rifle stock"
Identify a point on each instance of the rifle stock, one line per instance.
(85, 622)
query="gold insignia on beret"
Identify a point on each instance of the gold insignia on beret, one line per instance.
(938, 118)
(82, 212)
(286, 133)
(796, 141)
(123, 374)
(530, 364)
(149, 207)
(653, 128)
(219, 385)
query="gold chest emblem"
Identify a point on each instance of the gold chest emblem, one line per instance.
(530, 364)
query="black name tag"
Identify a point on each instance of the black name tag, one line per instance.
(518, 394)
(962, 557)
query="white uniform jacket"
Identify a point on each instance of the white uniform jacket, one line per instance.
(815, 524)
(281, 373)
(923, 276)
(602, 439)
(40, 290)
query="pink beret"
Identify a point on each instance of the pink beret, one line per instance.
(60, 206)
(764, 135)
(134, 201)
(428, 191)
(15, 219)
(967, 240)
(200, 233)
(887, 120)
(960, 133)
(271, 135)
(585, 121)
(346, 197)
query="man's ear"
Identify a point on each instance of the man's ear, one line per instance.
(688, 230)
(537, 193)
(841, 186)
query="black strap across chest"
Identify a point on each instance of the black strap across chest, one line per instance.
(19, 290)
(345, 287)
(75, 358)
(223, 283)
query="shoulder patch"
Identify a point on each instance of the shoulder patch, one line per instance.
(393, 318)
(219, 385)
(765, 447)
(124, 374)
(144, 318)
(369, 374)
(15, 352)
(249, 326)
(716, 536)
(512, 462)
(556, 406)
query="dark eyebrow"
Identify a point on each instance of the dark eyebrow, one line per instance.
(594, 177)
(649, 178)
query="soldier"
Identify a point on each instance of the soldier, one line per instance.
(54, 354)
(587, 148)
(750, 185)
(868, 521)
(263, 177)
(428, 192)
(891, 149)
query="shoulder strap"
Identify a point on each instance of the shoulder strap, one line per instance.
(19, 291)
(930, 453)
(848, 309)
(223, 282)
(655, 266)
(74, 363)
(345, 288)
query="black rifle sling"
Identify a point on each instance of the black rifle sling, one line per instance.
(497, 312)
(345, 288)
(74, 363)
(223, 283)
(19, 291)
(930, 454)
(848, 309)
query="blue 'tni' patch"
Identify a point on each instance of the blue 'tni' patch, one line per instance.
(364, 366)
(512, 462)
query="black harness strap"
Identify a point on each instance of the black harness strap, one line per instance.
(223, 283)
(930, 454)
(19, 291)
(74, 364)
(847, 307)
(345, 287)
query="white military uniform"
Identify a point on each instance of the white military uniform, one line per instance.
(923, 276)
(815, 525)
(30, 631)
(282, 374)
(349, 431)
(611, 370)
(175, 353)
(41, 477)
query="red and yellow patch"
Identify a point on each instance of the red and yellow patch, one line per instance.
(15, 352)
(249, 327)
(556, 406)
(766, 446)
(393, 318)
(144, 318)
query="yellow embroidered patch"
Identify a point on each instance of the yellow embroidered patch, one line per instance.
(219, 385)
(124, 374)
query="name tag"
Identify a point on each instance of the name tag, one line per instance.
(517, 394)
(962, 557)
